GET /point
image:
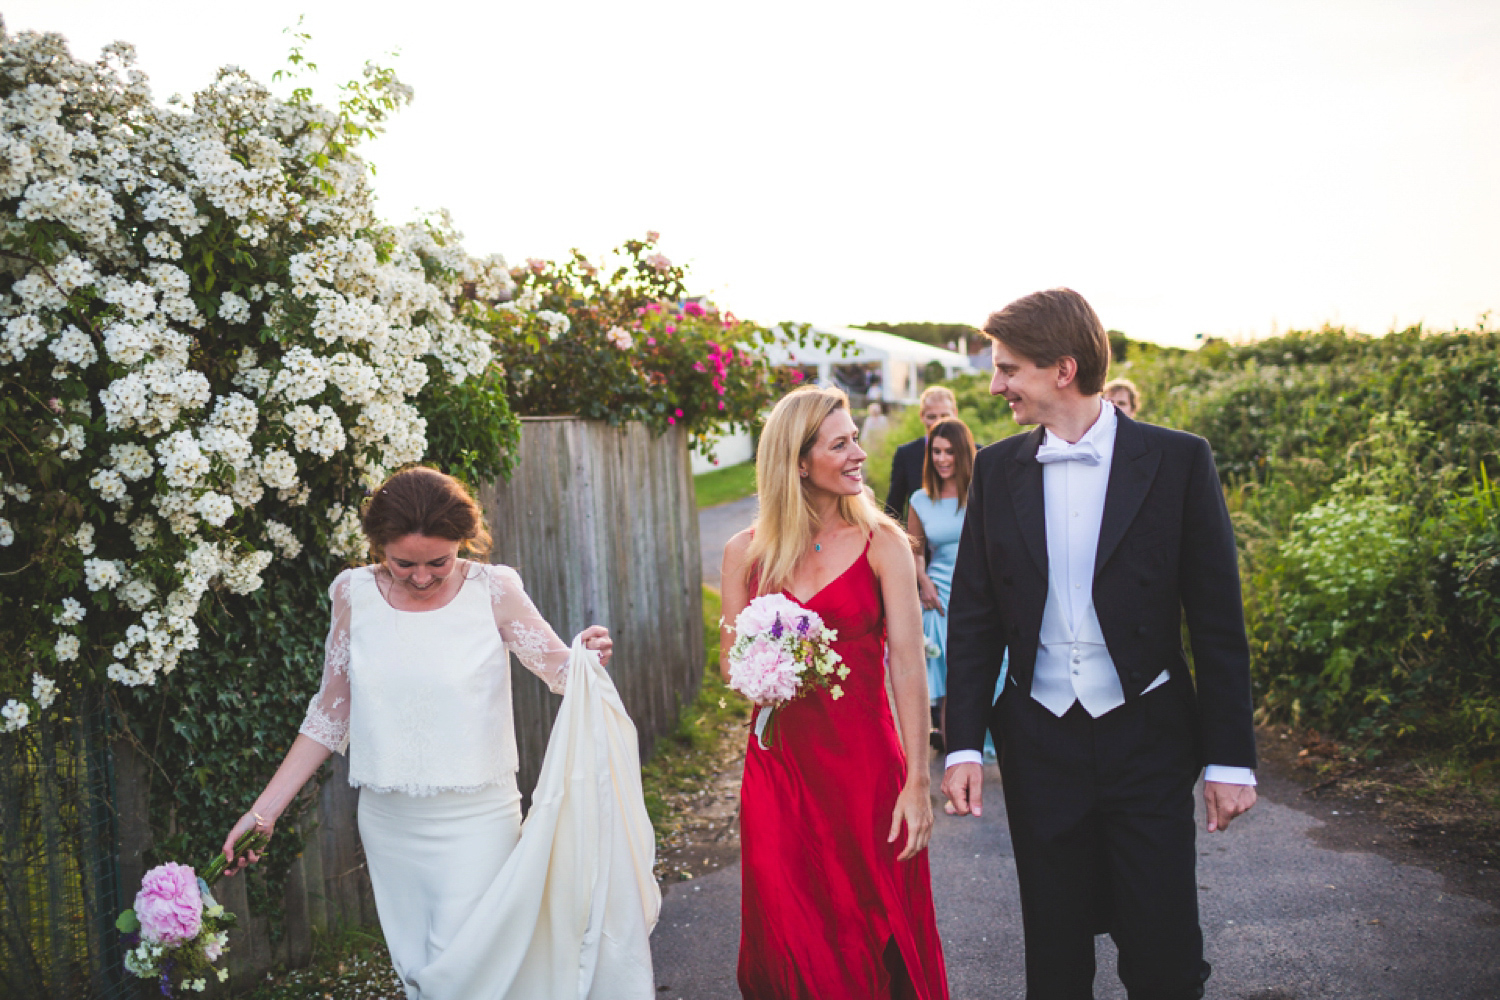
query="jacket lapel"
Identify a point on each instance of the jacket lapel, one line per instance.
(1026, 496)
(1130, 475)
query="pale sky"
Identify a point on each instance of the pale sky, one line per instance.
(1225, 168)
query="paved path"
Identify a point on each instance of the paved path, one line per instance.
(1284, 918)
(716, 526)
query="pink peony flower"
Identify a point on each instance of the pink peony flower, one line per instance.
(765, 674)
(169, 905)
(760, 614)
(693, 309)
(652, 236)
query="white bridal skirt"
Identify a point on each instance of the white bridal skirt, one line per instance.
(476, 905)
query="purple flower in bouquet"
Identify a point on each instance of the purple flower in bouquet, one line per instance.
(780, 652)
(169, 905)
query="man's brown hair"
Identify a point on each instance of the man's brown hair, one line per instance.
(1045, 327)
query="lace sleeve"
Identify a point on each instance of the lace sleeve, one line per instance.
(525, 631)
(327, 720)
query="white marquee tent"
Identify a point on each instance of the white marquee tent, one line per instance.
(900, 363)
(900, 360)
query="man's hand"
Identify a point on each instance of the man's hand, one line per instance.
(1223, 802)
(963, 784)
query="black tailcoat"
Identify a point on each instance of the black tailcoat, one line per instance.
(906, 476)
(1166, 549)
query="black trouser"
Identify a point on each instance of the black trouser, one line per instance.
(1101, 819)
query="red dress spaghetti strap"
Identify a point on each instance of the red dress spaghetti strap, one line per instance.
(828, 913)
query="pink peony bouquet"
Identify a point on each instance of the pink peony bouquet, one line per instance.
(175, 932)
(781, 651)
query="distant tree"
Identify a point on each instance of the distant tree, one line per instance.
(936, 334)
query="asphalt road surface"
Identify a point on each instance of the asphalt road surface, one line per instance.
(1284, 918)
(716, 526)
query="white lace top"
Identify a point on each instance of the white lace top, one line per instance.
(420, 700)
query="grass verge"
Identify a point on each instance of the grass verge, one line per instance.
(347, 963)
(684, 759)
(723, 485)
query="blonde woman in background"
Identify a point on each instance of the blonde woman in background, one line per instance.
(835, 816)
(1123, 393)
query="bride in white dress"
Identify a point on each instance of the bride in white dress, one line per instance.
(416, 689)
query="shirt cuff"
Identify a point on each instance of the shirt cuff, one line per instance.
(1217, 772)
(970, 757)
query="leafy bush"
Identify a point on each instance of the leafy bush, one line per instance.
(627, 343)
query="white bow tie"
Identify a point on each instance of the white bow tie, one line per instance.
(1083, 451)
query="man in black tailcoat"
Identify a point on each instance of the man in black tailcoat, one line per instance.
(1087, 540)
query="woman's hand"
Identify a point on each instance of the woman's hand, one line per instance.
(596, 637)
(914, 808)
(250, 821)
(928, 592)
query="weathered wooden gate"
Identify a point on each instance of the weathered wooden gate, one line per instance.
(601, 523)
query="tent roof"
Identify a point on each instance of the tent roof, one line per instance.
(870, 345)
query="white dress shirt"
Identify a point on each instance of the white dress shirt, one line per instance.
(1072, 660)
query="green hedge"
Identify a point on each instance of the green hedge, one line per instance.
(1361, 474)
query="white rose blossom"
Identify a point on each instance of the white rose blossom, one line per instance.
(43, 690)
(16, 715)
(66, 648)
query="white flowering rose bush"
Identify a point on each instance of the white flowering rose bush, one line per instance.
(209, 346)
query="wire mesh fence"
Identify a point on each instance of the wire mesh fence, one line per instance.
(59, 892)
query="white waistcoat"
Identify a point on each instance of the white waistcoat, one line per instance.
(430, 703)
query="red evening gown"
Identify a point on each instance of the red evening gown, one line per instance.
(828, 913)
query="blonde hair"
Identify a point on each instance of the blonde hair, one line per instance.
(1129, 389)
(786, 521)
(935, 392)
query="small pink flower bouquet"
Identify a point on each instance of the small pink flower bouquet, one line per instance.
(782, 651)
(175, 932)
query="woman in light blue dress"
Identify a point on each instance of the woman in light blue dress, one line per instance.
(935, 520)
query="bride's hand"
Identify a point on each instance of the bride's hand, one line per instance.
(596, 637)
(914, 808)
(249, 821)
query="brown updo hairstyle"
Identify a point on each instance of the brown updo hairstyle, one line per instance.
(420, 500)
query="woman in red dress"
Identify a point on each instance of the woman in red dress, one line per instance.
(837, 901)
